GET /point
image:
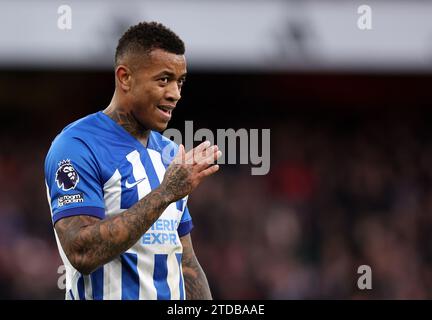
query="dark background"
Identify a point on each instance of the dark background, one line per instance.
(350, 181)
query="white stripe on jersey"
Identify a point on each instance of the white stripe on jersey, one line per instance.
(112, 194)
(157, 163)
(88, 292)
(74, 280)
(145, 271)
(139, 173)
(70, 270)
(112, 289)
(173, 277)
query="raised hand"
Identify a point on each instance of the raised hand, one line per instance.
(187, 170)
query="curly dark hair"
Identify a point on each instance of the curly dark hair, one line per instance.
(147, 36)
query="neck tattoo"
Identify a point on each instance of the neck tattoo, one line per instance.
(130, 124)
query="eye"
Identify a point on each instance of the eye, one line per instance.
(164, 80)
(181, 82)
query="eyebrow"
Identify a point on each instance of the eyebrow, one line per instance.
(170, 74)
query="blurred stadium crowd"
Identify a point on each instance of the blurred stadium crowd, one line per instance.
(339, 195)
(346, 188)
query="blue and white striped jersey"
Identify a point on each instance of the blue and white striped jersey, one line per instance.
(94, 167)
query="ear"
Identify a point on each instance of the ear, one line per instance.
(123, 77)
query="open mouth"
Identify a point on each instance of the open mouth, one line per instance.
(165, 110)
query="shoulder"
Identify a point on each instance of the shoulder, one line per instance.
(67, 149)
(83, 128)
(73, 141)
(80, 129)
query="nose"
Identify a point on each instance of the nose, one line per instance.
(173, 92)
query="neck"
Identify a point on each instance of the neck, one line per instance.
(125, 118)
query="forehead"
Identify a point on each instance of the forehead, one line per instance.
(159, 60)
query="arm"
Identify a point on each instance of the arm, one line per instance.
(196, 284)
(89, 242)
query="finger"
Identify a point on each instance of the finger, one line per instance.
(211, 157)
(208, 161)
(201, 147)
(209, 171)
(206, 153)
(192, 154)
(180, 156)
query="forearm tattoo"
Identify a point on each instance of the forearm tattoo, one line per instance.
(89, 244)
(196, 284)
